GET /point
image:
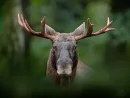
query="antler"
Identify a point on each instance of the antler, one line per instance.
(24, 24)
(90, 30)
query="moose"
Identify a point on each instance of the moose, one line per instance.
(63, 65)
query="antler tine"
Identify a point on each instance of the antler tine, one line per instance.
(90, 28)
(43, 25)
(105, 29)
(89, 31)
(20, 21)
(24, 24)
(43, 30)
(109, 29)
(108, 20)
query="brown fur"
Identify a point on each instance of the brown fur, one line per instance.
(79, 70)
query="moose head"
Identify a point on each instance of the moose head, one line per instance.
(63, 59)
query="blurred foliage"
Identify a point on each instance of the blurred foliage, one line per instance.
(108, 54)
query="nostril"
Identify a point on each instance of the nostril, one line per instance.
(64, 75)
(60, 71)
(64, 72)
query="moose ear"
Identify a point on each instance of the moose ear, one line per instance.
(80, 30)
(49, 30)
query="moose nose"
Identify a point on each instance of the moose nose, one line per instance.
(64, 71)
(64, 68)
(64, 75)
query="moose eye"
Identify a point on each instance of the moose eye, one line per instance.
(74, 47)
(54, 47)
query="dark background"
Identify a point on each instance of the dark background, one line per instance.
(23, 57)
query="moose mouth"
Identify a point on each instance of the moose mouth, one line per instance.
(64, 74)
(64, 80)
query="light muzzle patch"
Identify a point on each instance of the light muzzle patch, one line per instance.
(64, 70)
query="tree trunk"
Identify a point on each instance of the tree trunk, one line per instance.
(25, 4)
